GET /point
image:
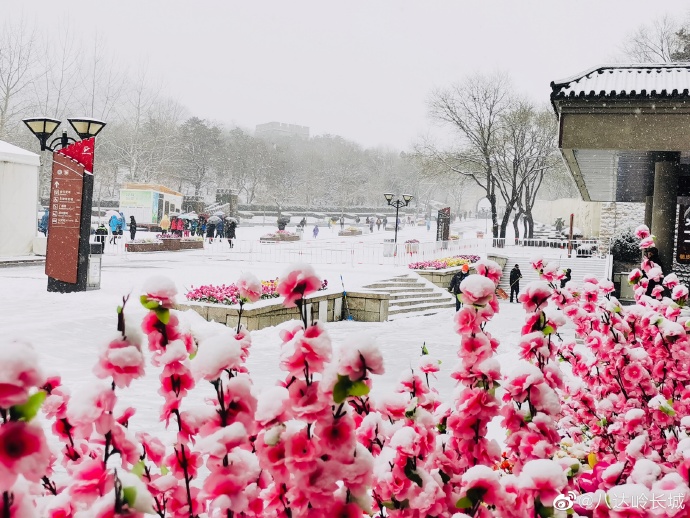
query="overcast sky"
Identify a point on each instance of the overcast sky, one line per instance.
(360, 69)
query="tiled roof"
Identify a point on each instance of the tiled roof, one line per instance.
(626, 81)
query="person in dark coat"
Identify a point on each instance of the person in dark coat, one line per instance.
(342, 223)
(454, 287)
(101, 232)
(132, 227)
(231, 232)
(515, 276)
(210, 231)
(566, 278)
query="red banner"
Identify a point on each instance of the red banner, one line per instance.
(66, 186)
(82, 152)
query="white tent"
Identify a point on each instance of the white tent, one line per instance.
(18, 199)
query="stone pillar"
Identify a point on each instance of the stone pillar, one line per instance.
(648, 206)
(666, 170)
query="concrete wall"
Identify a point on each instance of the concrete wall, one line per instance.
(617, 216)
(363, 307)
(587, 214)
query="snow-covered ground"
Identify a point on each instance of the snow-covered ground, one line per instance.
(67, 329)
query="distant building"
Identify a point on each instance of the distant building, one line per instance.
(272, 130)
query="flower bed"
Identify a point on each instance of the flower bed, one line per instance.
(230, 294)
(350, 231)
(152, 246)
(280, 235)
(446, 262)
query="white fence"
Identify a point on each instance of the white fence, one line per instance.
(355, 252)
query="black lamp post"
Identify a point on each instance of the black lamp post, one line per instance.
(43, 128)
(397, 204)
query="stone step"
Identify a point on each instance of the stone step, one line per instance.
(420, 307)
(407, 295)
(432, 299)
(385, 287)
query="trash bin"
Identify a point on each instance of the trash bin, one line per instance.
(627, 291)
(93, 272)
(388, 248)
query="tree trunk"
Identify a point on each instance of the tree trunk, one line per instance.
(516, 228)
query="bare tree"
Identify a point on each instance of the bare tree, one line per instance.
(656, 42)
(473, 109)
(17, 60)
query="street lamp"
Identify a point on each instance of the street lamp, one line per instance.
(397, 204)
(71, 196)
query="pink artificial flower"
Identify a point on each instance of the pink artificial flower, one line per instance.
(160, 289)
(671, 281)
(642, 232)
(535, 296)
(467, 320)
(23, 451)
(250, 287)
(474, 349)
(634, 276)
(300, 450)
(122, 360)
(679, 293)
(647, 242)
(477, 290)
(489, 269)
(19, 373)
(544, 479)
(337, 436)
(153, 447)
(537, 263)
(358, 358)
(298, 282)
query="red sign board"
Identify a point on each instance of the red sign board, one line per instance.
(66, 185)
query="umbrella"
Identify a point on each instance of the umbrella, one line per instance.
(214, 219)
(184, 216)
(231, 219)
(110, 213)
(219, 213)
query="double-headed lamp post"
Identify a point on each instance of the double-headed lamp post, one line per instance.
(397, 204)
(86, 127)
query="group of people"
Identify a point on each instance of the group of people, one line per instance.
(371, 221)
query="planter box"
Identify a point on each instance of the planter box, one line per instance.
(191, 245)
(350, 233)
(364, 307)
(171, 244)
(277, 239)
(144, 247)
(440, 278)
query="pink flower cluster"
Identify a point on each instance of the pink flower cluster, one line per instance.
(613, 424)
(230, 294)
(446, 262)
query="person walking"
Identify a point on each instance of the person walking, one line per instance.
(210, 231)
(454, 287)
(132, 228)
(165, 224)
(101, 232)
(220, 229)
(316, 231)
(371, 226)
(113, 223)
(378, 224)
(428, 224)
(231, 232)
(515, 276)
(342, 222)
(566, 278)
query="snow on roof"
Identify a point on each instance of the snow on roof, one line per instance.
(654, 80)
(17, 155)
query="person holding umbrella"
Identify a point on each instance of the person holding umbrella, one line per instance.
(165, 224)
(232, 225)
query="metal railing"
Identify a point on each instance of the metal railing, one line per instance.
(571, 248)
